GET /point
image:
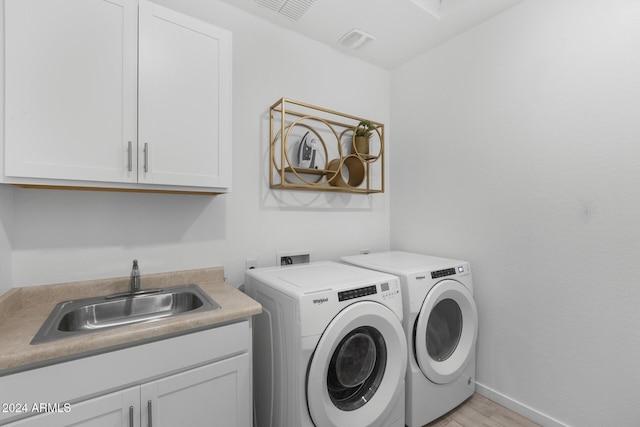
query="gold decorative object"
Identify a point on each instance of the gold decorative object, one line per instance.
(361, 145)
(313, 148)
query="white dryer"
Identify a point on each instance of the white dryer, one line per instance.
(329, 348)
(441, 327)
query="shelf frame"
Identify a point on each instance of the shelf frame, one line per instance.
(287, 114)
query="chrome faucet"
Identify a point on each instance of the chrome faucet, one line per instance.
(134, 285)
(134, 282)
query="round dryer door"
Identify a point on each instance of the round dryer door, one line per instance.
(445, 332)
(356, 374)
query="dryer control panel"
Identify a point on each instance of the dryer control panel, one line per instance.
(461, 269)
(443, 273)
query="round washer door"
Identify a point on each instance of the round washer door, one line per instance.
(356, 373)
(445, 332)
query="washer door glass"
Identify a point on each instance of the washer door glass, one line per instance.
(356, 374)
(444, 328)
(357, 368)
(445, 331)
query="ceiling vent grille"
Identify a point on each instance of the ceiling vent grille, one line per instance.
(292, 9)
(354, 39)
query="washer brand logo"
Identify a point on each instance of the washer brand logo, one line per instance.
(320, 300)
(421, 277)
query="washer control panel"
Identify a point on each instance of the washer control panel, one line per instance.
(390, 289)
(386, 290)
(357, 293)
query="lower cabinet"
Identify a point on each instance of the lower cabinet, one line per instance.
(194, 380)
(214, 394)
(114, 409)
(210, 395)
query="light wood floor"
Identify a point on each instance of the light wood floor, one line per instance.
(478, 411)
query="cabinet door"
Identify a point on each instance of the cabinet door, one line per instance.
(184, 100)
(218, 394)
(70, 89)
(117, 409)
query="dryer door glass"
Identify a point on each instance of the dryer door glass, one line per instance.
(443, 329)
(356, 369)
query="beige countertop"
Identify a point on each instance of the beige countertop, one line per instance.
(24, 310)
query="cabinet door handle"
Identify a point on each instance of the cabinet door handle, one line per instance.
(130, 416)
(130, 157)
(146, 157)
(149, 411)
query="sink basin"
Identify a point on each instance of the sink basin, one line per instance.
(73, 318)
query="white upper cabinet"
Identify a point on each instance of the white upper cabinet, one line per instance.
(70, 92)
(184, 99)
(115, 93)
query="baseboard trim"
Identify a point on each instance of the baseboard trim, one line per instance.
(517, 407)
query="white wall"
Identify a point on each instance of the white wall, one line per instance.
(6, 208)
(517, 147)
(73, 235)
(6, 221)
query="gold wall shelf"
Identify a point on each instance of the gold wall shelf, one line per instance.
(332, 163)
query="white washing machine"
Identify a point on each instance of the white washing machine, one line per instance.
(328, 348)
(441, 326)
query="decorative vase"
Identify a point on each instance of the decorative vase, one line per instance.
(361, 145)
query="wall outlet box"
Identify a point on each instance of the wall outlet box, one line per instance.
(290, 258)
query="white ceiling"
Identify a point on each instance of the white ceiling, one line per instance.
(403, 29)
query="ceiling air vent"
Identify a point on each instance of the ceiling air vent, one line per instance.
(292, 9)
(355, 39)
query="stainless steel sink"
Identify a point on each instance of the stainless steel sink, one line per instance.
(73, 318)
